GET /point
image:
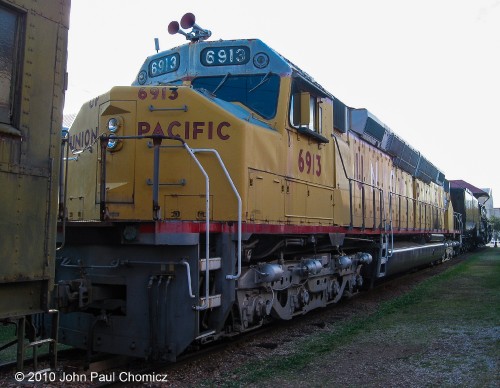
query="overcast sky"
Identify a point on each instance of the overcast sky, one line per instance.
(429, 69)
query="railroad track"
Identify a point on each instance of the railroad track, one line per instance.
(113, 371)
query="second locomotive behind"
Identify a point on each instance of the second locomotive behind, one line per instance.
(226, 188)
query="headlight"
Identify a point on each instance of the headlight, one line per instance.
(114, 124)
(113, 143)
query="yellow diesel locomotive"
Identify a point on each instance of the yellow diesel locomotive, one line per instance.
(226, 188)
(33, 42)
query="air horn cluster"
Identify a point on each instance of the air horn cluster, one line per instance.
(188, 20)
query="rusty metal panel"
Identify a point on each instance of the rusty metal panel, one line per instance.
(54, 10)
(29, 156)
(25, 248)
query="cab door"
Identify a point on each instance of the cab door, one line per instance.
(310, 174)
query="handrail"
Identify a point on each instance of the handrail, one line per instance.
(457, 219)
(183, 262)
(66, 262)
(188, 270)
(340, 154)
(63, 185)
(351, 180)
(414, 201)
(205, 305)
(363, 200)
(390, 225)
(157, 139)
(238, 197)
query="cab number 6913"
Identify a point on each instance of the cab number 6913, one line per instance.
(309, 163)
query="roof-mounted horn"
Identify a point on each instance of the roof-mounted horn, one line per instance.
(174, 28)
(188, 21)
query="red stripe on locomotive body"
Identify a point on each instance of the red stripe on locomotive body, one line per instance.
(162, 227)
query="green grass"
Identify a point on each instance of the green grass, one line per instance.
(462, 302)
(7, 334)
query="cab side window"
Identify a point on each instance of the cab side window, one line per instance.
(10, 64)
(315, 115)
(306, 109)
(306, 112)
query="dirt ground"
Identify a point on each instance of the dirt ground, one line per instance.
(412, 353)
(424, 346)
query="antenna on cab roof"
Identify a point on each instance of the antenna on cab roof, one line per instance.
(188, 20)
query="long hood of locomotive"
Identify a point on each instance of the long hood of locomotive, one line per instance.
(187, 116)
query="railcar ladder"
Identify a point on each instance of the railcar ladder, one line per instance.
(385, 251)
(214, 263)
(23, 323)
(208, 263)
(210, 301)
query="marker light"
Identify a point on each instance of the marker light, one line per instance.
(260, 60)
(142, 77)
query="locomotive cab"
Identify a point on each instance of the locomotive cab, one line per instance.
(171, 97)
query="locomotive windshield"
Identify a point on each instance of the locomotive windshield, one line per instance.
(257, 92)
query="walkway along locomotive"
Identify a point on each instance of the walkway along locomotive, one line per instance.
(225, 188)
